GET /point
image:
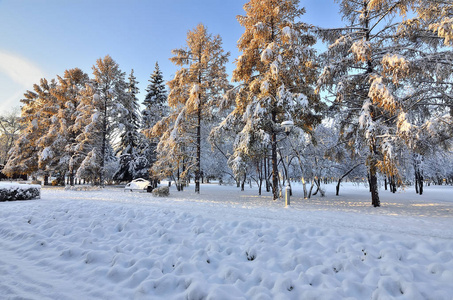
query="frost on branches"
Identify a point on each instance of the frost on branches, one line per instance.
(388, 78)
(76, 120)
(195, 94)
(105, 98)
(36, 117)
(276, 85)
(133, 162)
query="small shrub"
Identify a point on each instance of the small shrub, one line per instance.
(11, 192)
(162, 191)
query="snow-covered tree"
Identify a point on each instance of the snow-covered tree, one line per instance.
(9, 132)
(429, 123)
(436, 16)
(57, 144)
(156, 108)
(171, 152)
(277, 70)
(103, 110)
(35, 120)
(130, 137)
(222, 139)
(195, 93)
(378, 68)
(155, 102)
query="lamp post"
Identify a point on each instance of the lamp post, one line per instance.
(287, 125)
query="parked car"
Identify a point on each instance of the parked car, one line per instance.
(139, 184)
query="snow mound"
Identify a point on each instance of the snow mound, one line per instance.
(162, 191)
(83, 188)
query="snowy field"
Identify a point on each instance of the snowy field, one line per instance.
(227, 244)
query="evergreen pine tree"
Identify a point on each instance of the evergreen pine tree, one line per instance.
(155, 110)
(130, 138)
(155, 102)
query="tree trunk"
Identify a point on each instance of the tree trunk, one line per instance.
(373, 161)
(274, 160)
(104, 143)
(337, 188)
(304, 184)
(311, 189)
(71, 177)
(317, 182)
(416, 182)
(266, 173)
(290, 188)
(243, 181)
(373, 181)
(418, 174)
(259, 171)
(393, 185)
(179, 186)
(344, 175)
(420, 188)
(198, 168)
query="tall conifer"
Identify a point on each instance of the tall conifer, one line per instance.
(130, 137)
(277, 70)
(155, 102)
(195, 93)
(36, 117)
(103, 110)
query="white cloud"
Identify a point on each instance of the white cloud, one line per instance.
(20, 70)
(18, 75)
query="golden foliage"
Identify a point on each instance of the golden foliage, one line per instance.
(395, 66)
(361, 50)
(389, 167)
(381, 95)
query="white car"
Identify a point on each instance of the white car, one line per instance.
(138, 184)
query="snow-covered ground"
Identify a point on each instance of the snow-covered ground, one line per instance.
(227, 244)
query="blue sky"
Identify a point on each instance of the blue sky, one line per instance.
(42, 38)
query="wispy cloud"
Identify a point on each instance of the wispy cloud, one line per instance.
(20, 70)
(21, 75)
